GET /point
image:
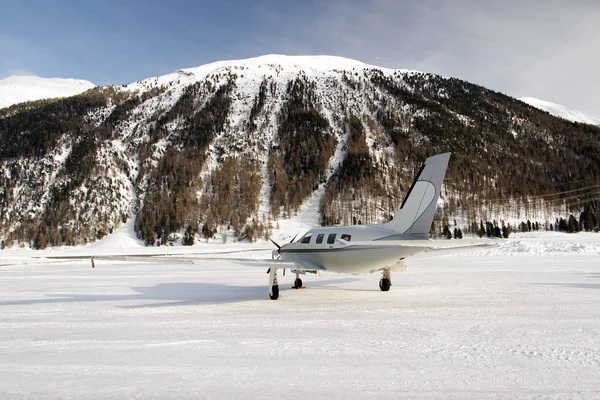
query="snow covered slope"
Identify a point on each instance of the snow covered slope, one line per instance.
(561, 111)
(17, 89)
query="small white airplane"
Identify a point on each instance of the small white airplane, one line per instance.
(348, 249)
(370, 248)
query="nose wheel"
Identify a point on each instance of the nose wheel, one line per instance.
(386, 280)
(384, 285)
(297, 283)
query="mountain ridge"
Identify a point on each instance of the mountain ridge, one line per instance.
(237, 148)
(558, 110)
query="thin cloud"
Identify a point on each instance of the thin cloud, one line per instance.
(541, 49)
(544, 49)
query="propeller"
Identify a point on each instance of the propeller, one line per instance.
(279, 250)
(278, 246)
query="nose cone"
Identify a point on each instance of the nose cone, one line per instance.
(282, 253)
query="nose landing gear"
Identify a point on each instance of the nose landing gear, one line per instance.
(386, 280)
(297, 283)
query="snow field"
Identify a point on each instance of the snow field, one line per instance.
(480, 325)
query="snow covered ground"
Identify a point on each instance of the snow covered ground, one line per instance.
(518, 321)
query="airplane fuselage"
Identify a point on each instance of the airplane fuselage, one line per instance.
(351, 249)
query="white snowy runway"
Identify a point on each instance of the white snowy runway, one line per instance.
(472, 326)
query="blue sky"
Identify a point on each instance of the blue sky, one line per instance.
(545, 49)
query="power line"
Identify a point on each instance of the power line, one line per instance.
(529, 198)
(568, 198)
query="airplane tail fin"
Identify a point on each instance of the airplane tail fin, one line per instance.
(415, 215)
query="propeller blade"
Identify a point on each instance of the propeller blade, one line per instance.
(292, 241)
(278, 246)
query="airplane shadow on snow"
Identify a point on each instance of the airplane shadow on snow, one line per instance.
(578, 285)
(572, 285)
(206, 293)
(177, 294)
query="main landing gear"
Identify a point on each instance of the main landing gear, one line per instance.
(273, 284)
(386, 280)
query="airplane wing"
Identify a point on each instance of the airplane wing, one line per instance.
(250, 262)
(200, 258)
(464, 246)
(146, 256)
(428, 245)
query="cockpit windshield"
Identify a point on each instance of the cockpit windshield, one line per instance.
(306, 239)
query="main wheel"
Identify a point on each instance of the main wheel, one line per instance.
(297, 283)
(384, 285)
(275, 290)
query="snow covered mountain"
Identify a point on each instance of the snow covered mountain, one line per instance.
(561, 111)
(234, 149)
(17, 89)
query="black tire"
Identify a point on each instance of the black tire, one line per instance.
(275, 290)
(384, 285)
(297, 283)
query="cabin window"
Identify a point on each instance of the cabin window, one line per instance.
(346, 237)
(306, 239)
(331, 238)
(320, 237)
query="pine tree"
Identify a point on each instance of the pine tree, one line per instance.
(506, 230)
(497, 232)
(587, 220)
(573, 225)
(446, 232)
(206, 231)
(563, 226)
(481, 231)
(489, 229)
(188, 237)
